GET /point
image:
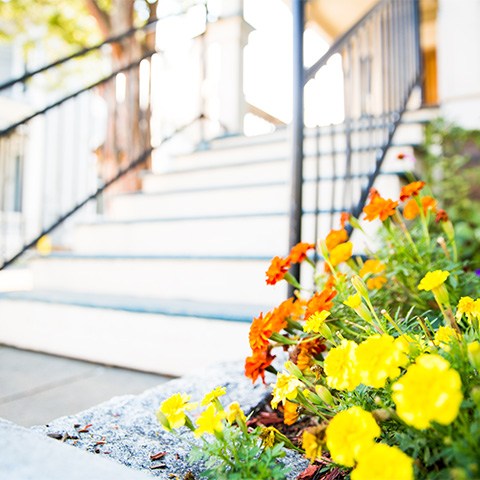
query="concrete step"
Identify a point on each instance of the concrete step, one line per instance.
(166, 337)
(208, 279)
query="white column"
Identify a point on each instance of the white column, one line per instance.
(228, 36)
(458, 57)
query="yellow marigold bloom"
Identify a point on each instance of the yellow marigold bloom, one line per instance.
(378, 359)
(353, 301)
(349, 433)
(429, 391)
(311, 445)
(372, 266)
(433, 280)
(234, 412)
(268, 436)
(444, 336)
(469, 307)
(174, 409)
(341, 253)
(215, 393)
(376, 283)
(473, 351)
(210, 421)
(285, 389)
(380, 462)
(340, 367)
(290, 414)
(315, 321)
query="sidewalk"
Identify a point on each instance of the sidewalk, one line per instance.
(36, 388)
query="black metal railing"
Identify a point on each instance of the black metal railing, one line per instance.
(380, 65)
(76, 146)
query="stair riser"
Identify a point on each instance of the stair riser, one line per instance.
(203, 280)
(147, 342)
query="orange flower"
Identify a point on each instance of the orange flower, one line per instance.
(379, 207)
(429, 203)
(376, 282)
(442, 216)
(306, 352)
(373, 193)
(332, 281)
(412, 210)
(290, 414)
(344, 218)
(288, 308)
(341, 253)
(372, 266)
(256, 364)
(277, 270)
(335, 237)
(411, 190)
(298, 253)
(260, 332)
(320, 301)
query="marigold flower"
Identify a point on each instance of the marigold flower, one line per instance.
(298, 253)
(288, 308)
(268, 436)
(473, 352)
(315, 321)
(335, 237)
(428, 203)
(430, 391)
(320, 301)
(306, 351)
(340, 367)
(376, 283)
(410, 190)
(285, 388)
(260, 331)
(411, 209)
(372, 193)
(312, 445)
(353, 301)
(256, 364)
(210, 421)
(332, 280)
(174, 409)
(380, 208)
(290, 414)
(372, 266)
(444, 336)
(344, 218)
(341, 253)
(215, 393)
(277, 270)
(234, 412)
(442, 216)
(381, 461)
(433, 280)
(378, 359)
(469, 307)
(350, 433)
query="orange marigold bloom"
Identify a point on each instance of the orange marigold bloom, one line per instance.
(373, 193)
(256, 364)
(335, 237)
(380, 208)
(298, 253)
(411, 190)
(290, 414)
(288, 308)
(341, 253)
(442, 216)
(411, 209)
(260, 332)
(332, 281)
(376, 283)
(372, 266)
(306, 352)
(277, 270)
(320, 301)
(429, 203)
(344, 218)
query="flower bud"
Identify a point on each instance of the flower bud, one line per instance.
(360, 286)
(473, 350)
(292, 369)
(324, 394)
(381, 415)
(322, 245)
(475, 394)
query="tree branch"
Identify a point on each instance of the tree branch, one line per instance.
(101, 16)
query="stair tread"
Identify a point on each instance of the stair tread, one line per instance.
(171, 307)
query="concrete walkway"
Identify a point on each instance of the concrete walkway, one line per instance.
(35, 388)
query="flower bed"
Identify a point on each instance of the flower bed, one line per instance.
(384, 356)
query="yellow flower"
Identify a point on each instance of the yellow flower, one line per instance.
(376, 283)
(340, 367)
(234, 413)
(433, 280)
(311, 445)
(469, 307)
(210, 421)
(349, 433)
(380, 462)
(444, 336)
(285, 389)
(429, 391)
(268, 436)
(174, 409)
(353, 301)
(372, 266)
(215, 393)
(341, 253)
(315, 321)
(473, 351)
(378, 359)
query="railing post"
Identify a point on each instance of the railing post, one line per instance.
(295, 226)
